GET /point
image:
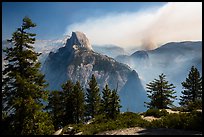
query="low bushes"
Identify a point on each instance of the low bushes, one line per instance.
(156, 112)
(101, 123)
(188, 121)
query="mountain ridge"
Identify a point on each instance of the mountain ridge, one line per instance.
(77, 61)
(174, 59)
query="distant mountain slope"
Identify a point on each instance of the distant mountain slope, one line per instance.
(109, 50)
(173, 59)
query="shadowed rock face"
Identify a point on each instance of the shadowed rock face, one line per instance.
(133, 95)
(77, 61)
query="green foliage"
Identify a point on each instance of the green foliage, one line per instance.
(110, 103)
(156, 112)
(78, 103)
(130, 119)
(23, 85)
(152, 112)
(197, 104)
(67, 102)
(55, 108)
(102, 123)
(160, 93)
(40, 125)
(192, 93)
(163, 112)
(105, 101)
(101, 118)
(114, 104)
(67, 106)
(181, 109)
(187, 121)
(93, 98)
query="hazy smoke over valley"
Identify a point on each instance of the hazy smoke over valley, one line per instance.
(149, 28)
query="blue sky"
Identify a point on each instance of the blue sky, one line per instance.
(52, 18)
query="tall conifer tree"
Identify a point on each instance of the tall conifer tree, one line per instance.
(106, 100)
(24, 86)
(93, 98)
(78, 100)
(192, 93)
(160, 93)
(115, 104)
(67, 102)
(55, 108)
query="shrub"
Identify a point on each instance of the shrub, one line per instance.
(100, 119)
(129, 115)
(156, 124)
(173, 121)
(194, 105)
(194, 121)
(181, 109)
(163, 112)
(188, 121)
(156, 112)
(130, 119)
(152, 112)
(101, 123)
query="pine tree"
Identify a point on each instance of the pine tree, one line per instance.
(115, 104)
(63, 104)
(192, 93)
(67, 102)
(23, 86)
(106, 100)
(160, 93)
(78, 100)
(93, 98)
(41, 124)
(55, 108)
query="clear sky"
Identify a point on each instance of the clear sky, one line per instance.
(52, 18)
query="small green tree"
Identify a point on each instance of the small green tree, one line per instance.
(23, 85)
(106, 100)
(55, 108)
(160, 93)
(67, 102)
(67, 105)
(114, 104)
(78, 100)
(110, 103)
(192, 93)
(93, 98)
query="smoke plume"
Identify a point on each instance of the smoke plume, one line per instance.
(149, 28)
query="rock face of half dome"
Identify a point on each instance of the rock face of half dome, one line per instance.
(78, 40)
(78, 62)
